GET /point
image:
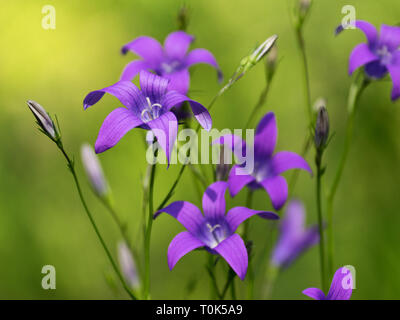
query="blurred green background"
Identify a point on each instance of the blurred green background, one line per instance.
(41, 219)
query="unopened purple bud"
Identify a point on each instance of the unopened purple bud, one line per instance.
(128, 266)
(94, 171)
(222, 168)
(321, 128)
(43, 119)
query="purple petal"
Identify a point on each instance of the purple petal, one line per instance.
(234, 143)
(234, 251)
(214, 200)
(376, 70)
(369, 30)
(315, 293)
(165, 128)
(286, 160)
(114, 127)
(266, 135)
(182, 244)
(173, 98)
(360, 56)
(394, 71)
(132, 69)
(178, 81)
(153, 86)
(292, 224)
(186, 213)
(390, 36)
(203, 56)
(146, 47)
(277, 189)
(125, 91)
(342, 284)
(236, 181)
(177, 43)
(238, 215)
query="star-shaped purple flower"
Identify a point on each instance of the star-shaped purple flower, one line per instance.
(148, 108)
(214, 231)
(171, 62)
(341, 287)
(380, 55)
(294, 238)
(268, 167)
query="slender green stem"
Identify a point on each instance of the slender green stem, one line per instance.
(271, 275)
(260, 103)
(146, 286)
(357, 87)
(213, 281)
(71, 166)
(229, 282)
(318, 161)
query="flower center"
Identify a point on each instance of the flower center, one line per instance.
(170, 67)
(384, 54)
(151, 111)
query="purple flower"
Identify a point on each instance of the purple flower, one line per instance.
(214, 231)
(379, 55)
(341, 287)
(148, 108)
(171, 62)
(268, 167)
(294, 238)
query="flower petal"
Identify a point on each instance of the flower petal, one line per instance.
(234, 251)
(237, 181)
(341, 286)
(286, 160)
(182, 244)
(266, 135)
(315, 293)
(277, 189)
(146, 47)
(125, 91)
(177, 43)
(390, 36)
(186, 213)
(178, 80)
(132, 69)
(114, 127)
(165, 128)
(369, 30)
(238, 215)
(361, 55)
(173, 98)
(203, 56)
(214, 200)
(234, 143)
(394, 71)
(153, 86)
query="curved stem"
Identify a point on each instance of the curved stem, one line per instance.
(260, 103)
(89, 215)
(271, 275)
(146, 287)
(318, 161)
(357, 87)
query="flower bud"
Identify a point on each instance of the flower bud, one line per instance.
(304, 5)
(128, 266)
(263, 49)
(321, 128)
(183, 18)
(271, 61)
(94, 171)
(222, 168)
(43, 119)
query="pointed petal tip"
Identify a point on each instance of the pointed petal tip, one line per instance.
(269, 215)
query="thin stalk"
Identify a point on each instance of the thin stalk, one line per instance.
(146, 287)
(213, 281)
(318, 161)
(357, 87)
(71, 166)
(250, 271)
(271, 275)
(260, 103)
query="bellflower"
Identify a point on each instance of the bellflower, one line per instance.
(268, 167)
(294, 238)
(380, 55)
(341, 287)
(148, 108)
(171, 61)
(215, 230)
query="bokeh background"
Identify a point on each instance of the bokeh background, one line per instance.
(41, 219)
